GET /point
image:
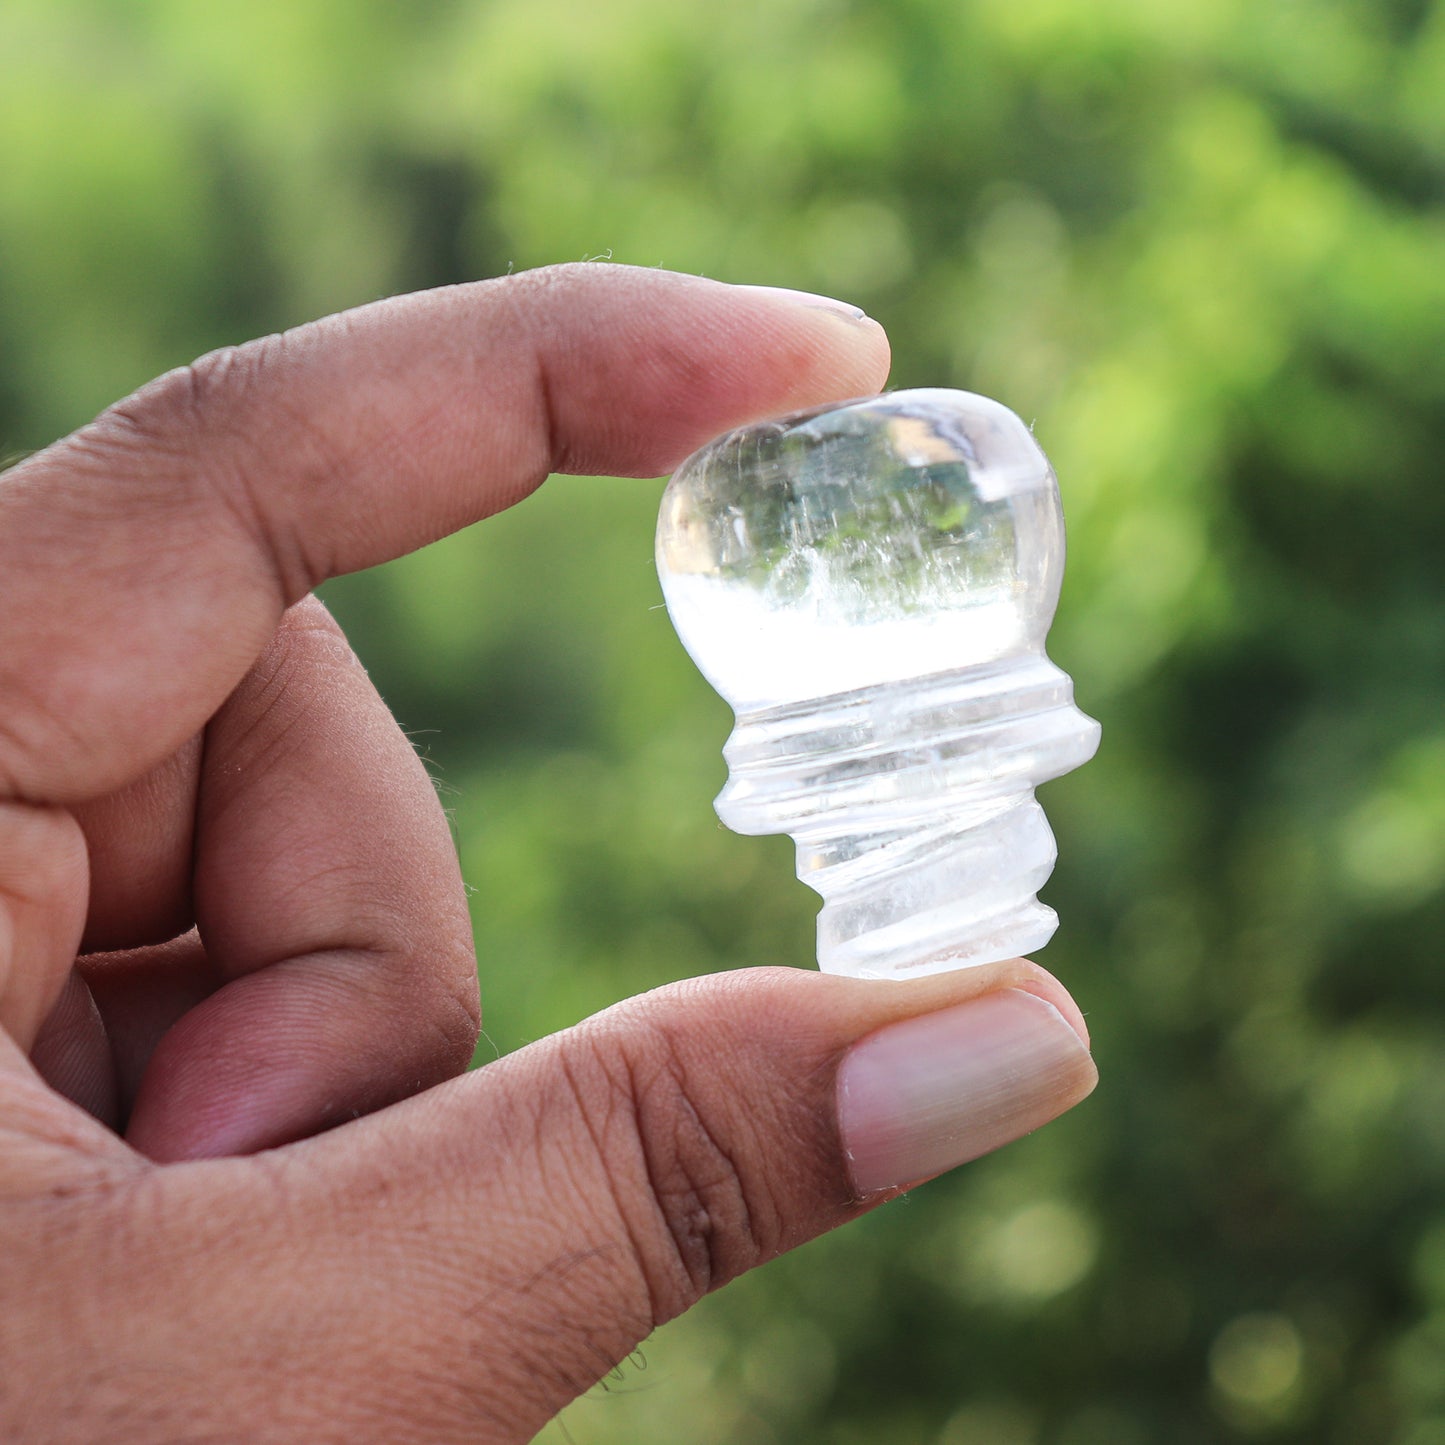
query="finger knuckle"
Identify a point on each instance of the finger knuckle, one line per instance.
(697, 1207)
(209, 431)
(166, 415)
(457, 1014)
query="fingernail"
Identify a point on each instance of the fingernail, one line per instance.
(922, 1096)
(807, 298)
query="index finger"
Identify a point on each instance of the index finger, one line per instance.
(146, 560)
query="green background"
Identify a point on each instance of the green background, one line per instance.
(1200, 245)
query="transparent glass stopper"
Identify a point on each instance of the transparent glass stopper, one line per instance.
(870, 586)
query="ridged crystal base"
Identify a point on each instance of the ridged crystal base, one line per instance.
(913, 811)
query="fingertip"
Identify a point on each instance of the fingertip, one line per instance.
(851, 352)
(690, 358)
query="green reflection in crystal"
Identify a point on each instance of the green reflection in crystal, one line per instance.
(857, 515)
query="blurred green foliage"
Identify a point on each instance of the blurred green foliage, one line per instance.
(1201, 246)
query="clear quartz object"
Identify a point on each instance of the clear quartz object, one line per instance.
(870, 585)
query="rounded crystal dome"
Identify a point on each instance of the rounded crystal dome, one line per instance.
(880, 539)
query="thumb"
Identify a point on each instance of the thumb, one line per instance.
(528, 1225)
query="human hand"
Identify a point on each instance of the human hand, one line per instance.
(231, 916)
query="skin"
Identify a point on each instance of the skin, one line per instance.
(243, 1195)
